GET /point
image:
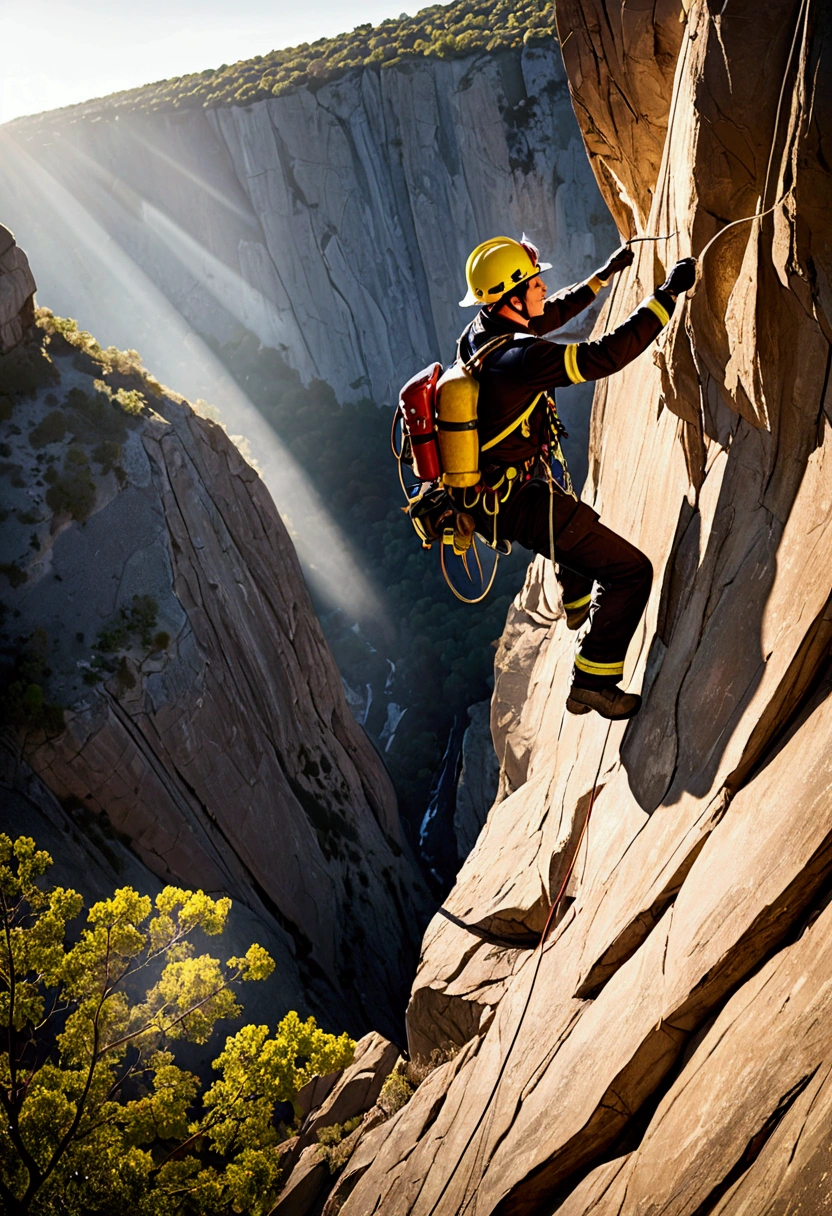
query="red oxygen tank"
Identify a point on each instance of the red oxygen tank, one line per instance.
(417, 403)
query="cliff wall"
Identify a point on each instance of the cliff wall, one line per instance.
(668, 1051)
(164, 670)
(333, 222)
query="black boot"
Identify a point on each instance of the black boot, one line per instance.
(611, 702)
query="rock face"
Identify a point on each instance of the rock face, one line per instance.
(329, 1103)
(668, 1050)
(154, 594)
(17, 293)
(478, 779)
(332, 222)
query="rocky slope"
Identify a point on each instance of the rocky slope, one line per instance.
(325, 220)
(668, 1051)
(152, 593)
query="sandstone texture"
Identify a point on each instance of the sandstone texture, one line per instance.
(668, 1051)
(478, 778)
(151, 592)
(17, 293)
(339, 1113)
(332, 222)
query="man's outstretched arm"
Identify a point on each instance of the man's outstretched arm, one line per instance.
(609, 354)
(561, 308)
(554, 365)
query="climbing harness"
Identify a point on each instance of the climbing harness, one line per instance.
(550, 919)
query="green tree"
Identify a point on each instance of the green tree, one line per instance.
(98, 1118)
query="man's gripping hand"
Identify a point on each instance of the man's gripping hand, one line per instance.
(620, 260)
(681, 278)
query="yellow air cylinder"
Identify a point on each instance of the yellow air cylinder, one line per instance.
(459, 446)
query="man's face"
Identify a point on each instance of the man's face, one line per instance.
(535, 296)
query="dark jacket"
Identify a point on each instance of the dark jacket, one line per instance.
(515, 374)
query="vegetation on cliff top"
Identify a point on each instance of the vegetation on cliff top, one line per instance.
(441, 31)
(98, 1117)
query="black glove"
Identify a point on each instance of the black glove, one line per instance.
(681, 278)
(622, 258)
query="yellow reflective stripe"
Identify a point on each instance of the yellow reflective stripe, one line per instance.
(579, 603)
(659, 309)
(512, 427)
(598, 669)
(596, 284)
(570, 360)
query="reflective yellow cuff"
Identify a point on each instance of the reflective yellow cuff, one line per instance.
(570, 360)
(599, 669)
(657, 308)
(579, 603)
(596, 284)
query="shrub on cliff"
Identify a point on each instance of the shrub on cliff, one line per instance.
(97, 1116)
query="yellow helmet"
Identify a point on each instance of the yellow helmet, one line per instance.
(496, 266)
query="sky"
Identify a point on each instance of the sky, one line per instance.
(66, 51)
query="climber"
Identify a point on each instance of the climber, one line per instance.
(520, 432)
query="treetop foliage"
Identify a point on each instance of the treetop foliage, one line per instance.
(97, 1116)
(441, 32)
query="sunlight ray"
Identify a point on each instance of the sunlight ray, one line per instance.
(95, 280)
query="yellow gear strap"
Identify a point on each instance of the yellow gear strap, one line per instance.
(598, 669)
(658, 309)
(513, 426)
(579, 603)
(570, 360)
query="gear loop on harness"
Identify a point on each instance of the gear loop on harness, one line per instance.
(496, 500)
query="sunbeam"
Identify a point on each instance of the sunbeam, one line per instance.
(96, 281)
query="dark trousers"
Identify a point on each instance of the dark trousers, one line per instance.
(586, 553)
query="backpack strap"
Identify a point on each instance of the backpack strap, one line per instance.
(487, 349)
(479, 357)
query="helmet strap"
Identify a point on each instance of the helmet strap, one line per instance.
(522, 311)
(515, 294)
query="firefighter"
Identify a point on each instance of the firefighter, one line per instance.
(518, 499)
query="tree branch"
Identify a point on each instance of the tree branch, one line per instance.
(95, 1056)
(187, 1013)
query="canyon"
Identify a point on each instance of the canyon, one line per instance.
(665, 1049)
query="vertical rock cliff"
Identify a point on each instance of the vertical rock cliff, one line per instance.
(165, 671)
(332, 221)
(668, 1050)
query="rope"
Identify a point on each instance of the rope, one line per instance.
(635, 240)
(397, 418)
(804, 7)
(463, 598)
(553, 910)
(759, 214)
(746, 219)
